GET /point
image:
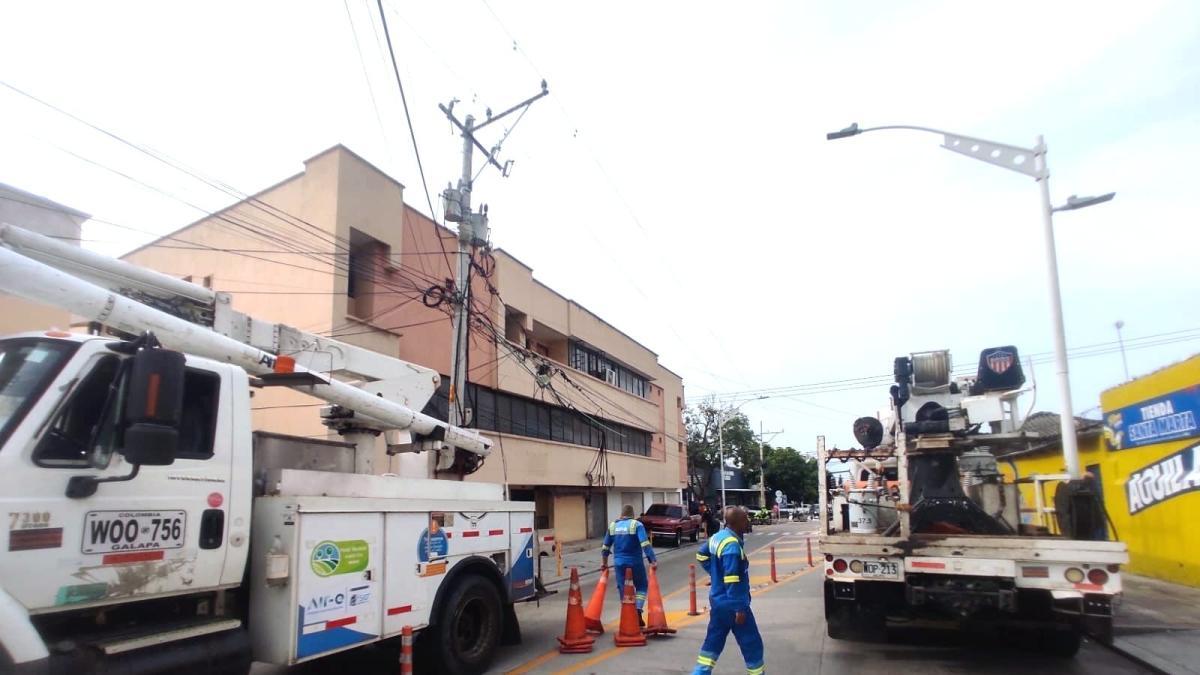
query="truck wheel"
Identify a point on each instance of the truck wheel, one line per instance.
(678, 538)
(468, 627)
(695, 535)
(1061, 644)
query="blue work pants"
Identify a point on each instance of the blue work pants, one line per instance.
(720, 622)
(639, 581)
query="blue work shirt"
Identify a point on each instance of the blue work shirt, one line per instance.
(724, 558)
(626, 539)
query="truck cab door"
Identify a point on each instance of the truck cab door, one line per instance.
(161, 532)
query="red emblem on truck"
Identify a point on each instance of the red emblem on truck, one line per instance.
(999, 362)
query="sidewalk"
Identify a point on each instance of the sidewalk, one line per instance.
(1158, 623)
(586, 556)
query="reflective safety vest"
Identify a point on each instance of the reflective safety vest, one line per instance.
(627, 540)
(724, 558)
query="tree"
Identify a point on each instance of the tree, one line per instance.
(741, 444)
(791, 473)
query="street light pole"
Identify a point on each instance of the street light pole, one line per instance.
(721, 420)
(1016, 158)
(1070, 444)
(1121, 341)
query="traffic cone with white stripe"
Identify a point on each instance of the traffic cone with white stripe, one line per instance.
(595, 608)
(575, 639)
(630, 633)
(656, 621)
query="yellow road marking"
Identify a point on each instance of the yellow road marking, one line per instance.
(685, 621)
(530, 665)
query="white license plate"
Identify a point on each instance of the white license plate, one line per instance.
(115, 531)
(881, 569)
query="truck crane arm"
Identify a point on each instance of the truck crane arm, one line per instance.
(200, 321)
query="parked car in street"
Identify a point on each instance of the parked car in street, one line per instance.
(671, 521)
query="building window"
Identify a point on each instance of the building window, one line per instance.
(510, 414)
(601, 367)
(366, 259)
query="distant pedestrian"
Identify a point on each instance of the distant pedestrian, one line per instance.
(710, 522)
(723, 556)
(627, 540)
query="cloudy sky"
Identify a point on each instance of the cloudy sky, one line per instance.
(677, 181)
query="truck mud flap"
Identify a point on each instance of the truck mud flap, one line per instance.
(511, 634)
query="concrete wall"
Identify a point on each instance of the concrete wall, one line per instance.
(342, 199)
(240, 249)
(1163, 539)
(43, 216)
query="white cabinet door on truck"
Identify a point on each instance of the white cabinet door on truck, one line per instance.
(162, 532)
(340, 582)
(521, 572)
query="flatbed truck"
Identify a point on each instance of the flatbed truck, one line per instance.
(923, 527)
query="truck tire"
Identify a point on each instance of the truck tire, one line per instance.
(678, 538)
(695, 534)
(467, 633)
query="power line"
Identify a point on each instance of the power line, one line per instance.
(624, 202)
(366, 76)
(404, 99)
(1040, 358)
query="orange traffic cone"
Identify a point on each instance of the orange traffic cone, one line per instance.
(575, 639)
(595, 606)
(629, 634)
(656, 615)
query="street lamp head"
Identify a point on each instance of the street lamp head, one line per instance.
(1075, 202)
(849, 131)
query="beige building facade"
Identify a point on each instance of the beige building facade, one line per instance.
(41, 215)
(586, 419)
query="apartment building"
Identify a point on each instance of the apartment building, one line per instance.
(41, 215)
(585, 418)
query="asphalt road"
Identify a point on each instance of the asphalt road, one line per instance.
(791, 617)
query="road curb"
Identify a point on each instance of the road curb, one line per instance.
(1143, 658)
(582, 574)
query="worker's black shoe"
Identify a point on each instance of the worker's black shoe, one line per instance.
(641, 621)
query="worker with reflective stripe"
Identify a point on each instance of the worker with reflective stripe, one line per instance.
(627, 541)
(724, 558)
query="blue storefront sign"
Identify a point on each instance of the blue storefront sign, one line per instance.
(1165, 418)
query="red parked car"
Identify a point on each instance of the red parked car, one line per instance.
(670, 521)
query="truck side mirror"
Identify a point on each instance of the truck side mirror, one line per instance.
(153, 407)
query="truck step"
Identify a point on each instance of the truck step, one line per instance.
(119, 644)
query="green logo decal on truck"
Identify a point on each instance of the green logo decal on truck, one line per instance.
(339, 557)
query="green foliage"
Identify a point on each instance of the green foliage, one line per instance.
(791, 473)
(741, 443)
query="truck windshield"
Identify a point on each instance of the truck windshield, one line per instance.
(659, 510)
(27, 365)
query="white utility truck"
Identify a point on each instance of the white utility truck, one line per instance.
(149, 530)
(923, 527)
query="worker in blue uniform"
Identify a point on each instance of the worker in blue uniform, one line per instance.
(723, 556)
(627, 541)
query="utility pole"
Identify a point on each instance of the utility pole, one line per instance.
(472, 234)
(762, 467)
